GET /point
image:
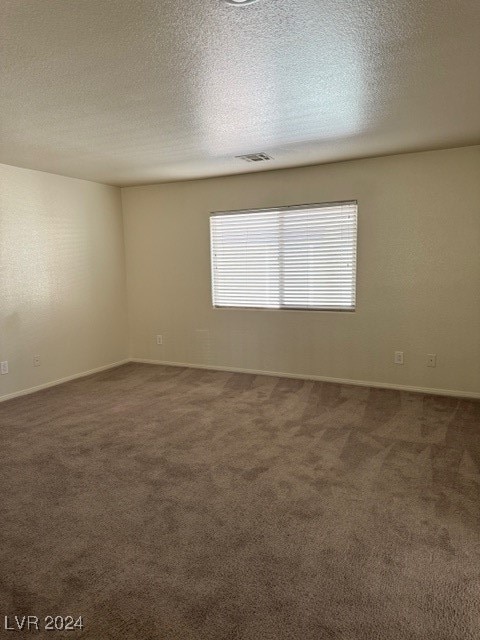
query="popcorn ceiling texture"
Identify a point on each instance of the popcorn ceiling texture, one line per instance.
(138, 91)
(175, 504)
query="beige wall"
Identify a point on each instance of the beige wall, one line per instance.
(418, 273)
(62, 277)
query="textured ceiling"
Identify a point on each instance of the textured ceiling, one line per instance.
(138, 91)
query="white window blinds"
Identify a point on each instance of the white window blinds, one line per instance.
(290, 258)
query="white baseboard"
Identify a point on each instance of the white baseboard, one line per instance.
(54, 383)
(280, 374)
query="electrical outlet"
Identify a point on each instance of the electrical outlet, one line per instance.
(36, 361)
(4, 367)
(431, 359)
(398, 357)
(159, 339)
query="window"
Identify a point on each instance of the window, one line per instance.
(288, 258)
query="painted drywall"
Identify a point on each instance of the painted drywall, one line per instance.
(62, 277)
(418, 286)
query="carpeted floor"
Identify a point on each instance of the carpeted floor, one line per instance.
(166, 503)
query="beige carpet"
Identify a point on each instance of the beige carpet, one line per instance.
(170, 503)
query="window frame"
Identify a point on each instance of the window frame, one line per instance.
(296, 207)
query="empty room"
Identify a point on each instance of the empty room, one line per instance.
(240, 319)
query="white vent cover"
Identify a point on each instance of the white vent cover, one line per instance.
(255, 157)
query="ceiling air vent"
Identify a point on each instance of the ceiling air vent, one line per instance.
(255, 157)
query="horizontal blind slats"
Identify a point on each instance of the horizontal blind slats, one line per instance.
(302, 258)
